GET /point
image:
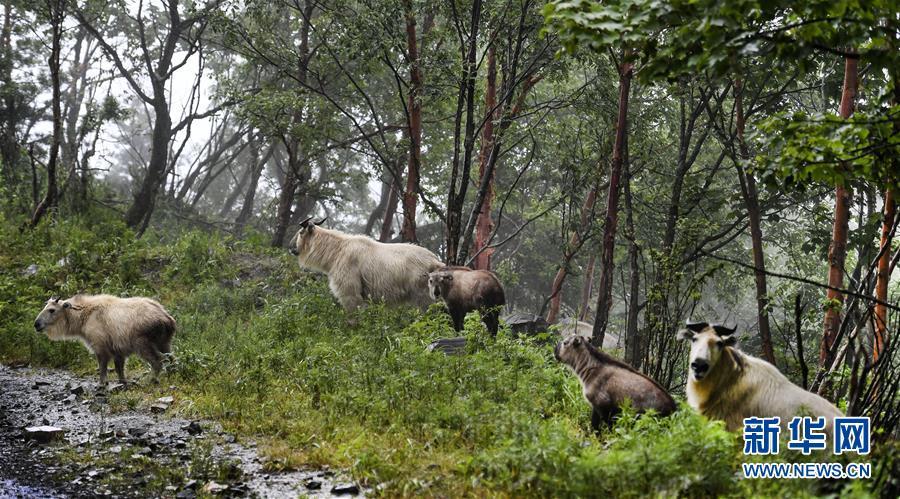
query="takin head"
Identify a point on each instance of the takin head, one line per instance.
(300, 242)
(570, 349)
(52, 312)
(708, 341)
(438, 284)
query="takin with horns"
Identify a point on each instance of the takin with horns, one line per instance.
(112, 328)
(729, 385)
(360, 268)
(607, 382)
(464, 290)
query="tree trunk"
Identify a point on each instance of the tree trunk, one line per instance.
(56, 10)
(414, 132)
(387, 224)
(633, 349)
(587, 288)
(575, 243)
(484, 226)
(378, 213)
(884, 276)
(605, 285)
(837, 252)
(249, 198)
(286, 198)
(9, 146)
(751, 200)
(145, 198)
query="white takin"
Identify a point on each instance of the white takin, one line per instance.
(360, 268)
(111, 328)
(729, 385)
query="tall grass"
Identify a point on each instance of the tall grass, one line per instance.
(263, 348)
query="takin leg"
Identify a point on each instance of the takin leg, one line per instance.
(458, 317)
(154, 357)
(598, 418)
(103, 363)
(349, 292)
(491, 319)
(119, 361)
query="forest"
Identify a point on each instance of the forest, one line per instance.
(623, 167)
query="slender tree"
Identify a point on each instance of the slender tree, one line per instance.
(837, 252)
(56, 13)
(414, 130)
(605, 283)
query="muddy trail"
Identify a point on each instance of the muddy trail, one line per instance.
(59, 438)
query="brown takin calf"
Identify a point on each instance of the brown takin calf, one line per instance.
(465, 290)
(111, 328)
(607, 382)
(729, 385)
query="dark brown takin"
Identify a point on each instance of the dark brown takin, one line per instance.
(607, 382)
(464, 290)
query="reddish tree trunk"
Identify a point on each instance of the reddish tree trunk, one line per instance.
(837, 252)
(612, 206)
(575, 243)
(881, 284)
(751, 200)
(408, 232)
(484, 226)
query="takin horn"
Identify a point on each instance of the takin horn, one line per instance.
(696, 326)
(723, 330)
(320, 222)
(305, 222)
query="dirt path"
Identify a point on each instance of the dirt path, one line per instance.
(126, 454)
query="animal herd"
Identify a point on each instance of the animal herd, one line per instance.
(723, 383)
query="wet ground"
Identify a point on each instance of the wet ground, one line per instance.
(134, 453)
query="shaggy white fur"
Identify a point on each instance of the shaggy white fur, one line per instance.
(738, 386)
(360, 268)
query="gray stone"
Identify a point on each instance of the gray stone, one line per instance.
(44, 433)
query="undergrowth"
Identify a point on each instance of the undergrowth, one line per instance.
(264, 349)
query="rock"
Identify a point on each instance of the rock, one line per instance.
(228, 438)
(71, 398)
(448, 346)
(166, 400)
(62, 262)
(313, 485)
(31, 270)
(115, 449)
(193, 428)
(524, 323)
(185, 494)
(159, 408)
(43, 434)
(137, 431)
(77, 390)
(213, 488)
(39, 383)
(345, 488)
(191, 484)
(115, 387)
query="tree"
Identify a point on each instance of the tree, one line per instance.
(56, 14)
(837, 251)
(605, 283)
(158, 65)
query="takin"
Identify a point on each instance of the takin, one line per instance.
(111, 328)
(464, 290)
(607, 382)
(727, 384)
(360, 268)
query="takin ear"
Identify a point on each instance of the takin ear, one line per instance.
(67, 305)
(685, 334)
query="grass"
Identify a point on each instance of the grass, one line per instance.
(264, 349)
